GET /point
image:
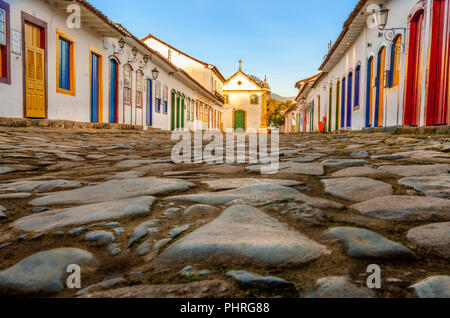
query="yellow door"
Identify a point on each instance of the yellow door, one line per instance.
(35, 73)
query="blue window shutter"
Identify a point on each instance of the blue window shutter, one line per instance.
(64, 64)
(357, 78)
(391, 71)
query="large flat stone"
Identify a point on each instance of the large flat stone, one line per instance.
(42, 272)
(114, 190)
(254, 195)
(242, 235)
(126, 175)
(362, 243)
(5, 170)
(288, 167)
(202, 289)
(140, 163)
(356, 189)
(417, 170)
(434, 237)
(252, 280)
(44, 185)
(344, 162)
(432, 186)
(338, 287)
(226, 184)
(86, 214)
(359, 172)
(406, 208)
(433, 287)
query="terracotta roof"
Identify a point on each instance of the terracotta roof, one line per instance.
(345, 29)
(300, 82)
(319, 78)
(214, 68)
(121, 29)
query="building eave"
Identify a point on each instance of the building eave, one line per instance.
(351, 30)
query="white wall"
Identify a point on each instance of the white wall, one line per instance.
(77, 108)
(366, 45)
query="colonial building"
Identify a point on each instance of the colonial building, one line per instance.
(292, 120)
(390, 66)
(245, 103)
(207, 108)
(65, 60)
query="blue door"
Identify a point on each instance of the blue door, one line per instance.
(94, 87)
(149, 103)
(349, 99)
(113, 92)
(369, 97)
(343, 104)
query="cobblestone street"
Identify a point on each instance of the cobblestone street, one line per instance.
(139, 225)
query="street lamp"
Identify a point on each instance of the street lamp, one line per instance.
(390, 34)
(155, 73)
(144, 63)
(134, 51)
(121, 46)
(381, 16)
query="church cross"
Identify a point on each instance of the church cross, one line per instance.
(240, 65)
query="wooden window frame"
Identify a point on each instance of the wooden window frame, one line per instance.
(251, 99)
(5, 52)
(99, 53)
(139, 101)
(72, 41)
(357, 89)
(158, 97)
(130, 103)
(165, 102)
(394, 72)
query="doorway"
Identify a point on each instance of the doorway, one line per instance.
(437, 104)
(379, 103)
(149, 102)
(113, 92)
(34, 66)
(414, 71)
(369, 93)
(239, 120)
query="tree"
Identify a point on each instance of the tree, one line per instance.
(275, 111)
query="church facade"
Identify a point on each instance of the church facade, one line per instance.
(246, 101)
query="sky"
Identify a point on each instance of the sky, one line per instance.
(286, 40)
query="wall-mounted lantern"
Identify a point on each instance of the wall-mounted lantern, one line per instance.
(134, 51)
(155, 73)
(381, 19)
(381, 16)
(121, 46)
(144, 62)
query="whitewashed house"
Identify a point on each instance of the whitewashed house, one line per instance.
(389, 66)
(65, 60)
(204, 110)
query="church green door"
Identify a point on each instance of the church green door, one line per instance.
(239, 120)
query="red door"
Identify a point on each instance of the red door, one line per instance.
(438, 74)
(414, 71)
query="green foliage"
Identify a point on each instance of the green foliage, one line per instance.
(275, 111)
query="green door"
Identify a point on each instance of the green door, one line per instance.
(239, 120)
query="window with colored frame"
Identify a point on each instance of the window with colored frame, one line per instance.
(166, 99)
(127, 84)
(5, 72)
(139, 88)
